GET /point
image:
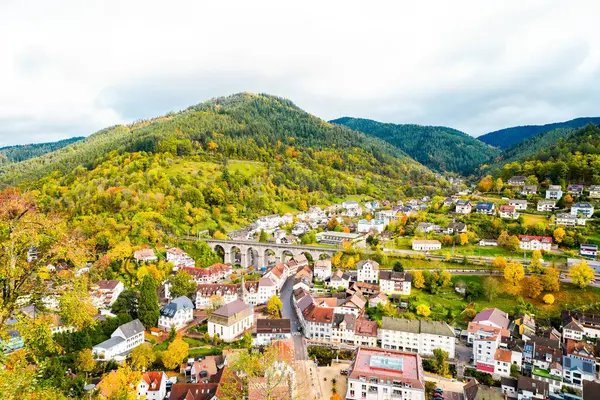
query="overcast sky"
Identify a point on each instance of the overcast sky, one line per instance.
(69, 68)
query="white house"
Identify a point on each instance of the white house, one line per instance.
(569, 220)
(584, 209)
(351, 209)
(268, 222)
(546, 205)
(463, 206)
(179, 258)
(231, 321)
(426, 245)
(178, 313)
(554, 192)
(529, 189)
(317, 322)
(342, 328)
(367, 271)
(322, 269)
(104, 293)
(374, 225)
(145, 255)
(268, 330)
(300, 228)
(594, 191)
(122, 341)
(535, 242)
(518, 204)
(153, 385)
(416, 336)
(508, 212)
(503, 359)
(391, 282)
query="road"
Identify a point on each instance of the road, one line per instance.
(289, 312)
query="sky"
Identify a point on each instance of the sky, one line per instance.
(70, 68)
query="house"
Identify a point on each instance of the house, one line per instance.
(584, 209)
(488, 242)
(391, 282)
(455, 227)
(508, 212)
(365, 333)
(367, 289)
(503, 359)
(317, 322)
(594, 192)
(579, 363)
(378, 298)
(351, 209)
(554, 192)
(374, 225)
(145, 256)
(529, 189)
(337, 280)
(569, 220)
(426, 245)
(492, 317)
(531, 389)
(546, 205)
(268, 330)
(448, 201)
(463, 207)
(337, 238)
(535, 242)
(322, 269)
(417, 336)
(104, 293)
(194, 391)
(153, 385)
(231, 321)
(427, 227)
(385, 374)
(268, 223)
(300, 228)
(242, 234)
(516, 181)
(342, 328)
(212, 274)
(575, 190)
(486, 339)
(367, 271)
(587, 325)
(179, 257)
(588, 250)
(485, 207)
(518, 204)
(387, 215)
(122, 341)
(178, 313)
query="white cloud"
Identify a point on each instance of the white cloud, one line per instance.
(70, 67)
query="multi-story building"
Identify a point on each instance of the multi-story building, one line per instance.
(416, 336)
(153, 385)
(493, 317)
(588, 250)
(231, 321)
(516, 180)
(579, 363)
(485, 207)
(342, 328)
(463, 207)
(485, 339)
(584, 209)
(377, 374)
(317, 322)
(122, 341)
(535, 242)
(575, 190)
(554, 192)
(374, 225)
(546, 205)
(322, 269)
(365, 333)
(578, 325)
(518, 204)
(178, 313)
(391, 282)
(531, 389)
(594, 191)
(268, 330)
(104, 293)
(529, 189)
(367, 271)
(426, 245)
(212, 274)
(569, 220)
(508, 212)
(504, 359)
(179, 258)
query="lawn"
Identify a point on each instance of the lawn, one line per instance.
(482, 251)
(533, 220)
(204, 351)
(594, 238)
(246, 168)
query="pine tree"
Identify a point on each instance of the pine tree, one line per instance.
(148, 310)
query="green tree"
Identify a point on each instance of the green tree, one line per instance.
(491, 288)
(398, 267)
(441, 362)
(148, 308)
(182, 284)
(126, 303)
(85, 361)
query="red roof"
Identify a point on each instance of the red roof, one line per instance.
(365, 327)
(318, 314)
(543, 239)
(154, 379)
(506, 208)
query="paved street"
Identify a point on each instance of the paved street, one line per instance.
(289, 312)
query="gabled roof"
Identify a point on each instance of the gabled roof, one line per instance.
(493, 315)
(194, 391)
(108, 284)
(154, 379)
(365, 327)
(529, 238)
(373, 263)
(313, 313)
(231, 309)
(273, 325)
(132, 328)
(394, 276)
(349, 319)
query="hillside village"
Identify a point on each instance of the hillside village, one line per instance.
(359, 304)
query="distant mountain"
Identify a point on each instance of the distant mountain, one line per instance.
(437, 147)
(535, 144)
(13, 154)
(505, 138)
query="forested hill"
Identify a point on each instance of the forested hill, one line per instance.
(574, 158)
(438, 147)
(217, 166)
(505, 138)
(535, 144)
(12, 154)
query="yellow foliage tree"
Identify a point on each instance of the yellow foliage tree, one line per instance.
(536, 267)
(551, 279)
(514, 273)
(559, 234)
(548, 298)
(533, 287)
(499, 263)
(485, 184)
(175, 353)
(581, 274)
(418, 280)
(423, 310)
(463, 239)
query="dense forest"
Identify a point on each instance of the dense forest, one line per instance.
(13, 154)
(214, 166)
(574, 158)
(438, 147)
(508, 137)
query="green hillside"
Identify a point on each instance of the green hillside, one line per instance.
(437, 147)
(216, 166)
(508, 137)
(13, 154)
(533, 145)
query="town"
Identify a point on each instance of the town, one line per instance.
(358, 300)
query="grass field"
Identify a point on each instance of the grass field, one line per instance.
(532, 219)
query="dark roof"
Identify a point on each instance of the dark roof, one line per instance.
(484, 205)
(193, 391)
(231, 309)
(511, 382)
(132, 328)
(394, 276)
(107, 285)
(179, 303)
(533, 385)
(350, 320)
(273, 326)
(470, 389)
(591, 390)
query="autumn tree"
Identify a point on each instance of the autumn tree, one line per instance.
(499, 263)
(148, 309)
(418, 280)
(75, 306)
(485, 184)
(142, 357)
(175, 353)
(514, 273)
(120, 384)
(23, 226)
(513, 243)
(548, 299)
(491, 288)
(499, 185)
(559, 234)
(581, 274)
(551, 279)
(215, 302)
(423, 310)
(85, 361)
(440, 362)
(37, 336)
(536, 266)
(274, 306)
(463, 239)
(533, 287)
(503, 239)
(182, 284)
